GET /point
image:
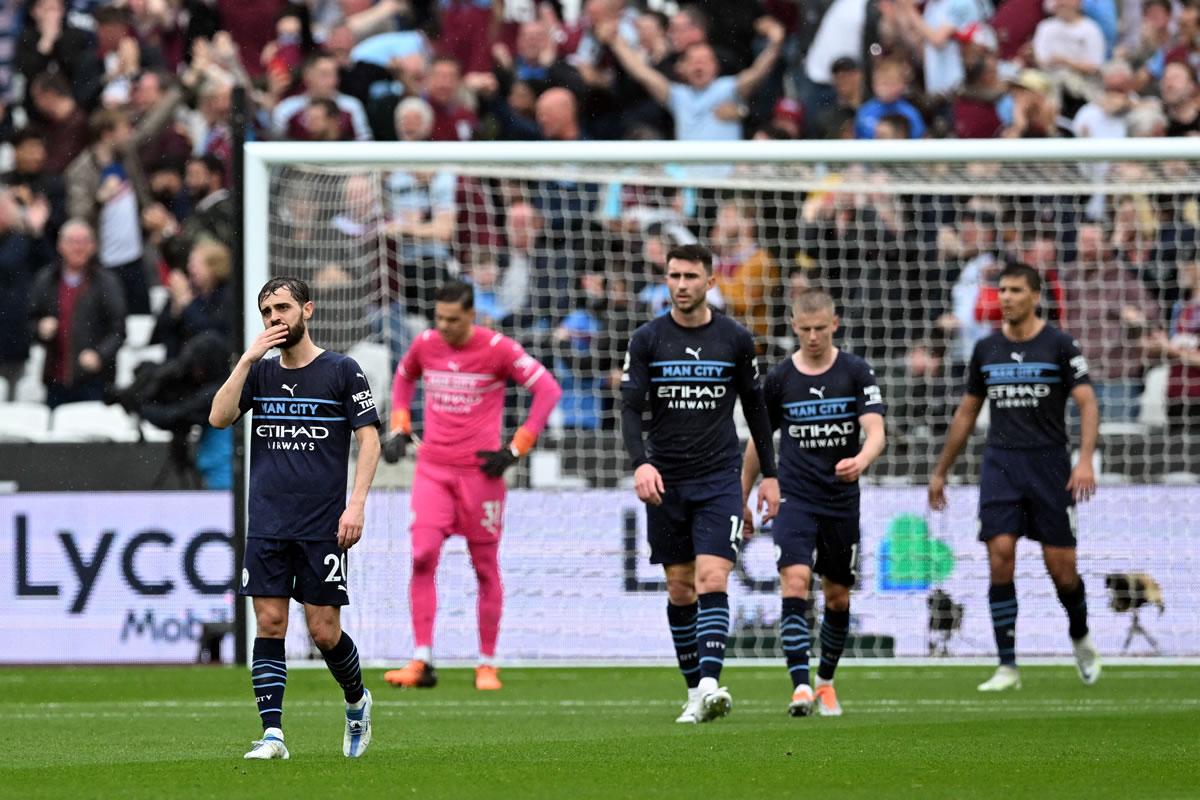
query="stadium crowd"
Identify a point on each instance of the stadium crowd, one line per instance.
(117, 142)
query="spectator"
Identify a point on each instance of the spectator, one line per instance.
(1149, 57)
(839, 35)
(557, 116)
(23, 248)
(322, 122)
(788, 117)
(1104, 117)
(49, 45)
(1183, 350)
(199, 298)
(452, 121)
(705, 107)
(831, 122)
(77, 312)
(321, 83)
(170, 142)
(746, 274)
(212, 211)
(1032, 113)
(104, 184)
(1071, 47)
(32, 182)
(934, 29)
(1178, 92)
(690, 26)
(893, 127)
(422, 215)
(976, 105)
(890, 84)
(975, 296)
(65, 128)
(583, 352)
(528, 262)
(484, 277)
(1114, 319)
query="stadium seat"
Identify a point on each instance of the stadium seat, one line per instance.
(1153, 409)
(91, 422)
(138, 328)
(24, 422)
(129, 357)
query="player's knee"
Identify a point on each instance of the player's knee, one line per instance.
(680, 592)
(325, 633)
(271, 623)
(712, 579)
(425, 560)
(837, 597)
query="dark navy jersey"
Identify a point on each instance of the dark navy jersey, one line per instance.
(817, 417)
(692, 376)
(300, 432)
(1027, 385)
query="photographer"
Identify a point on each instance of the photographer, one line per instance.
(176, 396)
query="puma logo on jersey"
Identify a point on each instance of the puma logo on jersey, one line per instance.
(453, 365)
(693, 353)
(1018, 357)
(290, 389)
(818, 392)
(359, 374)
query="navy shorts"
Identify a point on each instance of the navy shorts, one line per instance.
(1024, 492)
(699, 518)
(312, 572)
(800, 533)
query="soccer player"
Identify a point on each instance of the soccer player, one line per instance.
(823, 399)
(687, 368)
(1027, 486)
(458, 487)
(306, 404)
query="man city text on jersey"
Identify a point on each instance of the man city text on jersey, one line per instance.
(695, 385)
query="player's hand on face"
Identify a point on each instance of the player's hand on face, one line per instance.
(350, 527)
(768, 498)
(848, 469)
(273, 336)
(1082, 484)
(648, 484)
(937, 493)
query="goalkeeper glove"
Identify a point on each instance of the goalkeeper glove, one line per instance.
(495, 462)
(396, 447)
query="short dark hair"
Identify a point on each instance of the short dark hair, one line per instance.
(692, 252)
(456, 292)
(52, 82)
(297, 287)
(900, 123)
(1015, 269)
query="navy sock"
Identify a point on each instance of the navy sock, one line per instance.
(834, 628)
(1002, 599)
(796, 638)
(712, 632)
(1075, 602)
(682, 620)
(268, 674)
(342, 661)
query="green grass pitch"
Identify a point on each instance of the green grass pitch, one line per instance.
(925, 732)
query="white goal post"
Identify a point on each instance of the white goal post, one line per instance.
(905, 234)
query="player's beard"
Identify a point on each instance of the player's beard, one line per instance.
(689, 305)
(295, 334)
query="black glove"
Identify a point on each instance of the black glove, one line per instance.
(496, 461)
(395, 447)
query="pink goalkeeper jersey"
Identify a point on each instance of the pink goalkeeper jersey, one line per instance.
(464, 392)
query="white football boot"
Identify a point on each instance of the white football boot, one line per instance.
(358, 728)
(802, 701)
(1087, 659)
(692, 709)
(715, 701)
(268, 747)
(1002, 680)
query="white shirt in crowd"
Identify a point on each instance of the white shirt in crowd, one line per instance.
(943, 65)
(839, 34)
(1081, 40)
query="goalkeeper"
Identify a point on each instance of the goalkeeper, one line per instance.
(459, 482)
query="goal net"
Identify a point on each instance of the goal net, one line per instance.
(565, 245)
